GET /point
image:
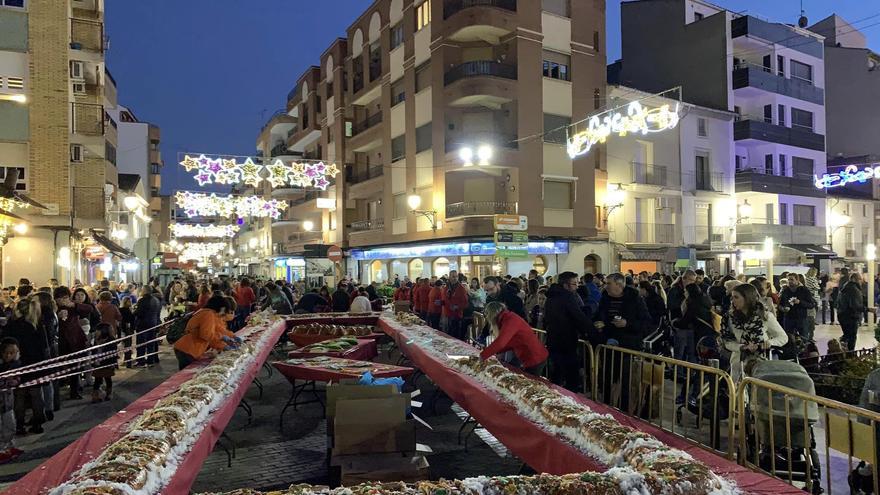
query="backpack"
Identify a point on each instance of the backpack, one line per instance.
(177, 328)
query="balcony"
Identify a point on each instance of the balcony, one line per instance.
(712, 182)
(354, 176)
(756, 128)
(650, 233)
(367, 123)
(705, 235)
(764, 181)
(365, 183)
(479, 20)
(86, 35)
(762, 32)
(478, 68)
(649, 174)
(280, 149)
(366, 135)
(759, 229)
(367, 225)
(480, 209)
(753, 77)
(473, 139)
(88, 119)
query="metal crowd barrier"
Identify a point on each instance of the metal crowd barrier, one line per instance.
(777, 435)
(585, 352)
(689, 400)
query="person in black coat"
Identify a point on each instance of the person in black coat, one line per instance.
(147, 314)
(499, 291)
(655, 304)
(566, 323)
(34, 347)
(340, 300)
(675, 295)
(795, 302)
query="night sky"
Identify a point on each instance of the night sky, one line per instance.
(210, 72)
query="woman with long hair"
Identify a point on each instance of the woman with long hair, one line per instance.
(512, 333)
(531, 299)
(749, 329)
(656, 305)
(49, 325)
(26, 329)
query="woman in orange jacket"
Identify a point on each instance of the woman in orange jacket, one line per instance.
(206, 329)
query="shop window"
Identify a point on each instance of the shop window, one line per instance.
(416, 269)
(441, 267)
(540, 265)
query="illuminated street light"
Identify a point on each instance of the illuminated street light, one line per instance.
(252, 243)
(467, 156)
(131, 203)
(414, 201)
(484, 153)
(20, 228)
(308, 225)
(745, 209)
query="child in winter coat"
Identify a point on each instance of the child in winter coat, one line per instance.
(9, 359)
(105, 365)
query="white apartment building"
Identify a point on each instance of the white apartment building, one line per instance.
(772, 76)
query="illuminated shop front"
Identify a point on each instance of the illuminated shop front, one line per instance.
(474, 259)
(290, 269)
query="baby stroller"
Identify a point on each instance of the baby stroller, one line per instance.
(800, 460)
(709, 401)
(659, 342)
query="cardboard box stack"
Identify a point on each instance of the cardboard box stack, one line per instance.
(370, 437)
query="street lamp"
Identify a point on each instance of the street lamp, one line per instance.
(20, 228)
(131, 203)
(484, 154)
(614, 199)
(836, 221)
(744, 210)
(308, 225)
(414, 201)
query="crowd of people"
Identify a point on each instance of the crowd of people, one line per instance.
(743, 318)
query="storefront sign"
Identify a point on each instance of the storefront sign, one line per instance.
(334, 254)
(638, 120)
(511, 222)
(326, 203)
(512, 250)
(454, 249)
(848, 175)
(508, 237)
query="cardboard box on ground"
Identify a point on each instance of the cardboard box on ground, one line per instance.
(369, 435)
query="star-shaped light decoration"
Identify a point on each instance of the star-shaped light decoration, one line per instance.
(322, 183)
(229, 164)
(278, 173)
(203, 177)
(250, 172)
(332, 170)
(215, 166)
(189, 163)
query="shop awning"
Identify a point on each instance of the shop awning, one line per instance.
(661, 254)
(812, 250)
(111, 246)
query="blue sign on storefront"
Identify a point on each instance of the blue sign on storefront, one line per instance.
(453, 249)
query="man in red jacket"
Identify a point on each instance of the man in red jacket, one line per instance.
(423, 292)
(435, 305)
(455, 300)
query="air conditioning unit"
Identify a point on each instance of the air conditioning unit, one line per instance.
(76, 153)
(79, 88)
(76, 69)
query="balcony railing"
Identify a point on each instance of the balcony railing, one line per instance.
(758, 229)
(278, 150)
(710, 182)
(367, 225)
(757, 128)
(650, 233)
(86, 35)
(496, 139)
(480, 208)
(294, 92)
(452, 7)
(88, 119)
(367, 123)
(760, 77)
(644, 173)
(760, 179)
(354, 176)
(478, 68)
(705, 235)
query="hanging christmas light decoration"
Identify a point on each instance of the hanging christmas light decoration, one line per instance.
(200, 251)
(9, 204)
(278, 174)
(196, 230)
(212, 205)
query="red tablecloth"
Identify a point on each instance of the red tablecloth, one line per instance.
(58, 468)
(365, 350)
(303, 339)
(298, 372)
(544, 451)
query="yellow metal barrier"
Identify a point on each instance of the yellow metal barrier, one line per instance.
(777, 435)
(661, 390)
(585, 349)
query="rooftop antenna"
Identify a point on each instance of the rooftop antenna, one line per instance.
(802, 20)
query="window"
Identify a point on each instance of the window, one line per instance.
(397, 92)
(769, 213)
(423, 137)
(596, 41)
(423, 15)
(780, 114)
(597, 99)
(782, 165)
(398, 148)
(701, 127)
(110, 152)
(423, 76)
(154, 192)
(555, 127)
(556, 65)
(155, 169)
(783, 214)
(801, 119)
(396, 35)
(768, 164)
(76, 153)
(557, 195)
(703, 173)
(802, 71)
(738, 163)
(698, 16)
(780, 65)
(801, 168)
(15, 83)
(400, 206)
(768, 114)
(766, 63)
(558, 7)
(12, 3)
(805, 215)
(76, 69)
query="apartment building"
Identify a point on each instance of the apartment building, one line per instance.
(852, 109)
(54, 129)
(670, 194)
(438, 112)
(772, 76)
